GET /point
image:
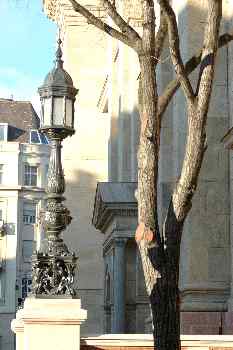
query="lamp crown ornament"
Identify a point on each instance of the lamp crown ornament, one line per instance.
(53, 267)
(59, 61)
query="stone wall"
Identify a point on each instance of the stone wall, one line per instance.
(106, 72)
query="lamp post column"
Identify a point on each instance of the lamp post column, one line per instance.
(52, 314)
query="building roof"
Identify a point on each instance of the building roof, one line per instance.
(112, 199)
(21, 118)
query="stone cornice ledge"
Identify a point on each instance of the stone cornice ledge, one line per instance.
(146, 340)
(113, 199)
(61, 12)
(51, 8)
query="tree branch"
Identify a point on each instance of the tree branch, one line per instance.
(120, 22)
(197, 116)
(160, 36)
(175, 49)
(190, 66)
(98, 23)
(210, 47)
(148, 32)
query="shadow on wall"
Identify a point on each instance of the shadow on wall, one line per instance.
(82, 238)
(123, 144)
(80, 196)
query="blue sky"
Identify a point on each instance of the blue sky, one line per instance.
(27, 47)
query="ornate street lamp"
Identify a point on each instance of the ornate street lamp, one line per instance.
(53, 267)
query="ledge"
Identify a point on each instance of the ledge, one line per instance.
(146, 340)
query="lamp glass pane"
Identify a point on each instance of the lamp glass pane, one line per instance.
(47, 103)
(69, 113)
(58, 111)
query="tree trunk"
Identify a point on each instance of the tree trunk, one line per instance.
(160, 255)
(164, 301)
(165, 298)
(161, 265)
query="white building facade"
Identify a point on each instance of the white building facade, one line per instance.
(23, 167)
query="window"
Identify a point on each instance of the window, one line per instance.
(29, 215)
(26, 286)
(46, 169)
(30, 175)
(1, 174)
(3, 131)
(38, 138)
(27, 249)
(34, 137)
(44, 139)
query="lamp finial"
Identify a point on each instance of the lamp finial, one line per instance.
(59, 61)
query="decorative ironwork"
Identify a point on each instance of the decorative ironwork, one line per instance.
(53, 275)
(53, 267)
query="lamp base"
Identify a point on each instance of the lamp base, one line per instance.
(53, 275)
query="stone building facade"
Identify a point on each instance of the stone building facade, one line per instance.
(24, 158)
(104, 150)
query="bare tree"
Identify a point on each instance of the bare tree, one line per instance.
(160, 249)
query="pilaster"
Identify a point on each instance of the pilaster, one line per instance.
(119, 285)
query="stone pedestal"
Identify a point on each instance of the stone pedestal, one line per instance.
(52, 324)
(17, 327)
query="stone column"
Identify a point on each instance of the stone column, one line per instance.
(17, 327)
(49, 324)
(119, 285)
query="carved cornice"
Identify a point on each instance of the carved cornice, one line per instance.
(61, 12)
(116, 238)
(51, 8)
(108, 203)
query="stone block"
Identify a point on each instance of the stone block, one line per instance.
(221, 67)
(216, 128)
(166, 161)
(228, 323)
(200, 322)
(130, 319)
(218, 264)
(130, 292)
(215, 164)
(217, 198)
(92, 300)
(219, 102)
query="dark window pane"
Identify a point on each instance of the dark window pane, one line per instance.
(2, 127)
(1, 173)
(30, 175)
(29, 216)
(44, 139)
(35, 137)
